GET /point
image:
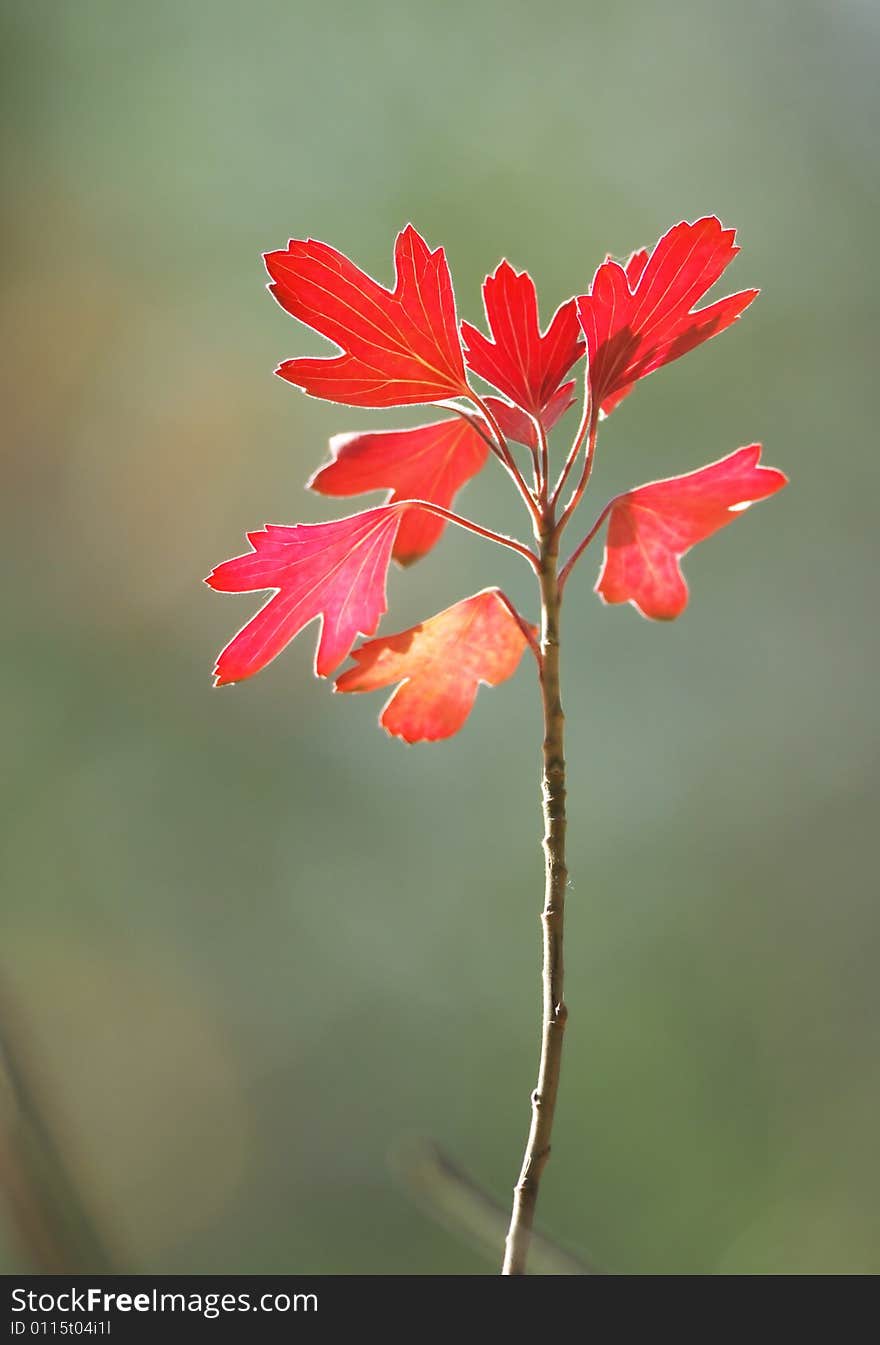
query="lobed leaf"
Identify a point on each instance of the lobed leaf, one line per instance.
(640, 316)
(335, 571)
(400, 346)
(519, 361)
(439, 666)
(430, 462)
(651, 528)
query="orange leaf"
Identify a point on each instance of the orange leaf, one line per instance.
(440, 664)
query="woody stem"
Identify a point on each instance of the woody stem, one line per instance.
(554, 1012)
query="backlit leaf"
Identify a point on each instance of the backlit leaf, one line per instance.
(640, 316)
(399, 346)
(519, 427)
(430, 462)
(439, 665)
(518, 360)
(335, 571)
(651, 528)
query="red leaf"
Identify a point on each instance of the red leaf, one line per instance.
(651, 528)
(519, 427)
(431, 462)
(526, 366)
(333, 570)
(439, 665)
(399, 346)
(641, 316)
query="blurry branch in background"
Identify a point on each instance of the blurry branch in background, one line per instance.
(55, 1233)
(451, 1198)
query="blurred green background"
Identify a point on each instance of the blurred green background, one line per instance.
(250, 944)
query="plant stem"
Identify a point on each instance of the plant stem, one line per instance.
(581, 548)
(502, 451)
(554, 1012)
(589, 457)
(453, 1199)
(466, 523)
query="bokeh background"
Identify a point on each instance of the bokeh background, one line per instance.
(250, 945)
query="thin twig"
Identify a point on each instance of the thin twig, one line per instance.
(589, 458)
(586, 420)
(527, 629)
(470, 526)
(457, 1202)
(507, 458)
(581, 548)
(543, 472)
